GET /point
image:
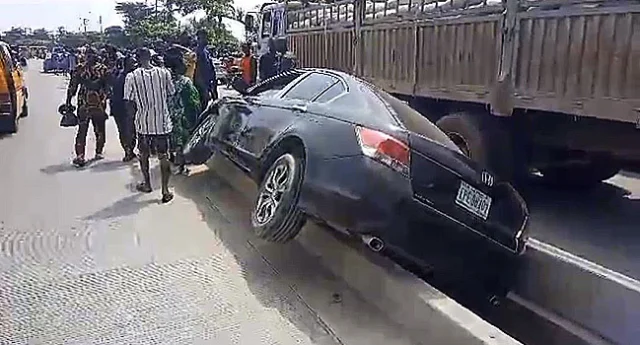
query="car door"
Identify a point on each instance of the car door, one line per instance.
(283, 110)
(245, 125)
(266, 118)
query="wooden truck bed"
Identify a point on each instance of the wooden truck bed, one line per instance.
(579, 57)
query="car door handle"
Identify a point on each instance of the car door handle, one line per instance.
(300, 108)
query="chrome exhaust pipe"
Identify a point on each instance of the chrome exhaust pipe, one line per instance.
(374, 243)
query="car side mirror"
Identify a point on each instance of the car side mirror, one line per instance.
(240, 85)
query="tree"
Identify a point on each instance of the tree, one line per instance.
(133, 12)
(15, 35)
(40, 34)
(77, 39)
(144, 25)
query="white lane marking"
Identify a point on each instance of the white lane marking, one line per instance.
(601, 271)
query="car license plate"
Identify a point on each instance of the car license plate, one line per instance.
(473, 200)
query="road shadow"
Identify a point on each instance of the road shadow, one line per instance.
(267, 268)
(4, 136)
(128, 206)
(132, 204)
(92, 164)
(599, 224)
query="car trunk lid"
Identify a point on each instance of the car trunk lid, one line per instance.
(437, 177)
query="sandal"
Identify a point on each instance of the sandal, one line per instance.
(79, 162)
(167, 197)
(143, 188)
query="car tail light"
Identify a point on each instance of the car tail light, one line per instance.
(384, 148)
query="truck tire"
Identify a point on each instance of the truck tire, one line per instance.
(484, 139)
(580, 175)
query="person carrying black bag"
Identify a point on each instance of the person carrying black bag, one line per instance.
(90, 82)
(117, 104)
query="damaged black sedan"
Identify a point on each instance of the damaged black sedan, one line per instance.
(327, 146)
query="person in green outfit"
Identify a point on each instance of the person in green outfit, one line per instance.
(184, 107)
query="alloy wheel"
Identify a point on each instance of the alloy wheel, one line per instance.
(276, 184)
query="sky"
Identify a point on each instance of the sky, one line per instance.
(51, 14)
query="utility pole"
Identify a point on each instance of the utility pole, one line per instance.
(100, 22)
(85, 21)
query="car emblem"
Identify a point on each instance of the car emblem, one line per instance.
(487, 179)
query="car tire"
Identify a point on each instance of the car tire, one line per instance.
(484, 139)
(586, 175)
(276, 216)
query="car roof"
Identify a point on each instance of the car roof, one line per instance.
(365, 95)
(360, 95)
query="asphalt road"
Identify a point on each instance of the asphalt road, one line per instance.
(601, 225)
(86, 260)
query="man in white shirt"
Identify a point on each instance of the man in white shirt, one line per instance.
(148, 90)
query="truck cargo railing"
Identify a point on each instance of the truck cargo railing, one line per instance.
(342, 13)
(322, 16)
(577, 57)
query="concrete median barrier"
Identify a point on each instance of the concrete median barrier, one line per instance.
(597, 304)
(430, 315)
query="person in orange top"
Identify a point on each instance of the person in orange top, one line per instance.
(248, 65)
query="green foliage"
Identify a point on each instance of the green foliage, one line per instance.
(144, 25)
(15, 36)
(212, 8)
(40, 34)
(76, 39)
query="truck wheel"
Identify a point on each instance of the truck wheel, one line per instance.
(581, 175)
(484, 139)
(276, 216)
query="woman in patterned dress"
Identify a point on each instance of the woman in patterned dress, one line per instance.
(184, 106)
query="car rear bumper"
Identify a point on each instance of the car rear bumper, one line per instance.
(363, 196)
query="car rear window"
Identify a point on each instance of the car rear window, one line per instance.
(331, 93)
(311, 87)
(414, 121)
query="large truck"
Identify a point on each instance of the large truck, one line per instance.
(551, 86)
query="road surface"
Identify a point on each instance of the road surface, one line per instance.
(85, 260)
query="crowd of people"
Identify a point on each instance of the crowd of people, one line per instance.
(154, 97)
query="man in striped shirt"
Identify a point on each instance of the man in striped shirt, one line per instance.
(147, 90)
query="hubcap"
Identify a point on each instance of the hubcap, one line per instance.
(275, 186)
